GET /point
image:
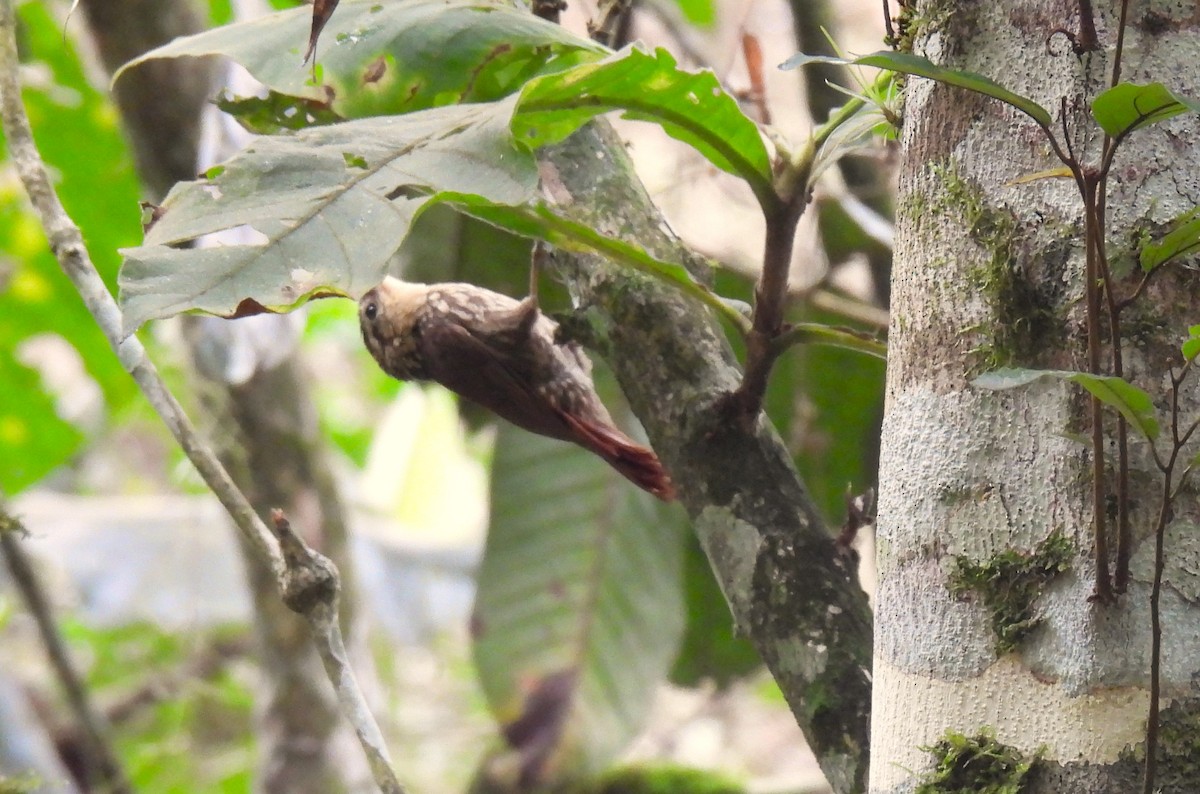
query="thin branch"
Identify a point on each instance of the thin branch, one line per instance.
(1103, 593)
(102, 768)
(1116, 358)
(1160, 532)
(1120, 48)
(817, 334)
(850, 308)
(67, 244)
(1088, 40)
(792, 192)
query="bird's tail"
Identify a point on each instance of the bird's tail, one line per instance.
(637, 463)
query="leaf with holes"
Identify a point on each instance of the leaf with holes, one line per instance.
(326, 208)
(379, 58)
(1127, 107)
(1182, 239)
(579, 610)
(1130, 401)
(907, 63)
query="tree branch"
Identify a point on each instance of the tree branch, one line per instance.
(789, 589)
(101, 766)
(67, 244)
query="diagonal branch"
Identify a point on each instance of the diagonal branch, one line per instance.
(67, 244)
(790, 590)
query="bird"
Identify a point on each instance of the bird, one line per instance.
(504, 355)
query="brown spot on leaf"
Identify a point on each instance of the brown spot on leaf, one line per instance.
(496, 52)
(375, 71)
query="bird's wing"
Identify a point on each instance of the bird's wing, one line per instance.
(492, 377)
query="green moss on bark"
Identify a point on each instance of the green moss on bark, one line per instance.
(975, 765)
(1022, 321)
(1009, 584)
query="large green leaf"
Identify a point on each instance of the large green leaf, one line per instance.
(1182, 239)
(907, 63)
(331, 204)
(78, 133)
(1132, 403)
(689, 105)
(394, 57)
(580, 608)
(1128, 106)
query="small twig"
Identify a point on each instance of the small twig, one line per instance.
(1120, 48)
(752, 50)
(310, 588)
(102, 768)
(1088, 41)
(1137, 292)
(67, 244)
(548, 10)
(832, 336)
(770, 294)
(1103, 593)
(850, 308)
(860, 512)
(1167, 499)
(611, 17)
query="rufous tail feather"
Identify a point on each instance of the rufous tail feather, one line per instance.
(637, 463)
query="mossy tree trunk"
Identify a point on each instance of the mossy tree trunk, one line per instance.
(984, 623)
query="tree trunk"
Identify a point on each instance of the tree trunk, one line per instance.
(984, 492)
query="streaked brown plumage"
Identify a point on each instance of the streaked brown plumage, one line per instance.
(502, 354)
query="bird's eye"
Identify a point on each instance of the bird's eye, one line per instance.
(371, 310)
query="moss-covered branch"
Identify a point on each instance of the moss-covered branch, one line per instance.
(789, 589)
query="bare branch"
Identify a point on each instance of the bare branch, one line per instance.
(67, 244)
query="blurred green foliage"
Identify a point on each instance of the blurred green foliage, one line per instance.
(78, 133)
(183, 715)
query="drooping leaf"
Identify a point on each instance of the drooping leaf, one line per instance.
(907, 63)
(690, 106)
(322, 11)
(381, 58)
(1191, 346)
(330, 205)
(579, 608)
(1132, 403)
(1182, 239)
(1127, 107)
